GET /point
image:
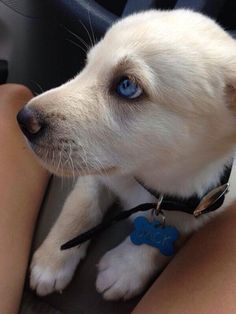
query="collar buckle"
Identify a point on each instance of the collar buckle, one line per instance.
(211, 198)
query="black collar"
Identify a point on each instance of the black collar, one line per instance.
(212, 200)
(193, 205)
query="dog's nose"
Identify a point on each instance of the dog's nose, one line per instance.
(29, 123)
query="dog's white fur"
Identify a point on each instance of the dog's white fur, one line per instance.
(177, 138)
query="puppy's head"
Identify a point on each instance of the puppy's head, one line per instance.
(159, 87)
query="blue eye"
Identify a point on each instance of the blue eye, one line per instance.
(128, 89)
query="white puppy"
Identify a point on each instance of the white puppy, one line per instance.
(157, 101)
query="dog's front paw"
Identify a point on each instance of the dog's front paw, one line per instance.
(52, 269)
(126, 270)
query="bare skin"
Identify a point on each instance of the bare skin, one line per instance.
(22, 186)
(201, 278)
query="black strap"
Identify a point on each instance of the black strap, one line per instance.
(165, 205)
(105, 224)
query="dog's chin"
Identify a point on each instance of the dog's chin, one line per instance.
(65, 172)
(77, 172)
(69, 168)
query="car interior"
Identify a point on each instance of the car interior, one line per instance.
(42, 45)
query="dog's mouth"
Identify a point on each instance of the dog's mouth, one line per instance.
(67, 162)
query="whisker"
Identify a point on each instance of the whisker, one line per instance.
(53, 157)
(90, 25)
(59, 162)
(35, 93)
(85, 158)
(77, 45)
(62, 177)
(72, 164)
(63, 165)
(39, 86)
(78, 37)
(46, 155)
(90, 38)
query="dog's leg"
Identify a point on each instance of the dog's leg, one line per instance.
(126, 270)
(51, 268)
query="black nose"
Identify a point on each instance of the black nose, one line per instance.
(29, 123)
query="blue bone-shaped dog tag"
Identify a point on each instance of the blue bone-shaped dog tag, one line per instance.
(154, 234)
